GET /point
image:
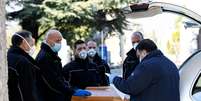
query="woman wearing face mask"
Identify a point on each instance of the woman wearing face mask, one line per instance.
(22, 69)
(80, 72)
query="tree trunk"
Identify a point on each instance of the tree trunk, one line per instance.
(3, 56)
(122, 48)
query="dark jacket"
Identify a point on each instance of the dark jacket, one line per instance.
(156, 78)
(22, 76)
(130, 63)
(53, 85)
(81, 73)
(102, 69)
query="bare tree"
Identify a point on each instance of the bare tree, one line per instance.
(3, 57)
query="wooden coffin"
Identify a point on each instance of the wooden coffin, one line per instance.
(100, 94)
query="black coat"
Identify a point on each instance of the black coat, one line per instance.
(130, 63)
(81, 73)
(156, 78)
(98, 61)
(102, 69)
(53, 85)
(22, 76)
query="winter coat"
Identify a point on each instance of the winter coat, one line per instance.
(156, 78)
(53, 85)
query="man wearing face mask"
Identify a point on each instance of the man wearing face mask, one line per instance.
(23, 70)
(131, 60)
(81, 72)
(156, 78)
(101, 64)
(53, 85)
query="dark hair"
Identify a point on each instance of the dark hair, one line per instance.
(147, 45)
(17, 41)
(78, 42)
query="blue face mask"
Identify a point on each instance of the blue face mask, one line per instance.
(56, 47)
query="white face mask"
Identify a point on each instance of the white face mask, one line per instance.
(83, 54)
(91, 52)
(135, 45)
(142, 56)
(31, 49)
(140, 59)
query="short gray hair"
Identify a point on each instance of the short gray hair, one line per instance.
(50, 32)
(139, 34)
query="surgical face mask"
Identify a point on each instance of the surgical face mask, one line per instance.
(142, 56)
(140, 59)
(31, 49)
(56, 47)
(135, 45)
(91, 52)
(83, 54)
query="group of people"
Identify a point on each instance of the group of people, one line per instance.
(44, 78)
(147, 74)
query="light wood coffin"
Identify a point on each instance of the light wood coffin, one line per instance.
(100, 94)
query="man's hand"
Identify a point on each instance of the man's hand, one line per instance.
(80, 92)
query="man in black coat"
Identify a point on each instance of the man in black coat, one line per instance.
(156, 78)
(80, 72)
(132, 60)
(53, 85)
(23, 70)
(101, 64)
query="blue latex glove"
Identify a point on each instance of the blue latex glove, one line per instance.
(111, 77)
(80, 92)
